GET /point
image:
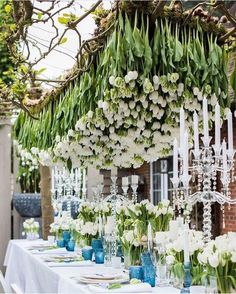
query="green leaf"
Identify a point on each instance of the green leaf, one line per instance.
(63, 40)
(114, 286)
(233, 79)
(63, 20)
(12, 27)
(38, 72)
(8, 8)
(69, 164)
(40, 15)
(138, 40)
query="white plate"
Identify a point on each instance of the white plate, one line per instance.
(102, 276)
(122, 279)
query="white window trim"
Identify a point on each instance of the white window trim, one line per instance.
(164, 189)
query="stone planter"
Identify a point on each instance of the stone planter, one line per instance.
(27, 204)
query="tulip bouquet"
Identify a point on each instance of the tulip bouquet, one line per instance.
(132, 224)
(86, 227)
(175, 256)
(85, 231)
(31, 229)
(60, 224)
(219, 260)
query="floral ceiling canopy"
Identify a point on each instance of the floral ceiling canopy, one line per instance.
(124, 109)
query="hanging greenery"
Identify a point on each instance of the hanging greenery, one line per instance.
(125, 109)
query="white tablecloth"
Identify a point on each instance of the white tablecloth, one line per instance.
(32, 275)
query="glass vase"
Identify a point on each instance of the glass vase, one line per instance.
(127, 260)
(211, 285)
(66, 235)
(149, 275)
(136, 272)
(32, 236)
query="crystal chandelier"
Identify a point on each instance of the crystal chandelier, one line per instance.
(210, 165)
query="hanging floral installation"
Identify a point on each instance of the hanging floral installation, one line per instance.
(125, 109)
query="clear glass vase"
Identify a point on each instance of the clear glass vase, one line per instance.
(127, 259)
(211, 285)
(32, 236)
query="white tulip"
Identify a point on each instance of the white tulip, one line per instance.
(127, 79)
(90, 114)
(134, 75)
(213, 260)
(170, 259)
(105, 105)
(132, 104)
(112, 80)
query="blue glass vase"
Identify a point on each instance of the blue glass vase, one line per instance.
(70, 246)
(61, 243)
(136, 272)
(97, 244)
(149, 275)
(87, 253)
(147, 259)
(66, 235)
(99, 256)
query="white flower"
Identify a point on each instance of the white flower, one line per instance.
(163, 210)
(202, 257)
(129, 236)
(155, 80)
(100, 103)
(58, 138)
(71, 133)
(199, 96)
(180, 87)
(165, 202)
(135, 75)
(90, 114)
(170, 259)
(105, 105)
(195, 91)
(34, 150)
(127, 79)
(112, 80)
(213, 260)
(233, 256)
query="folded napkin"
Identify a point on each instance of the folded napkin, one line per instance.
(70, 263)
(137, 288)
(49, 251)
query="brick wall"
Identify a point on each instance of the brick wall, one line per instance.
(144, 184)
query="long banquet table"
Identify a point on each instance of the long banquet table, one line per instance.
(33, 275)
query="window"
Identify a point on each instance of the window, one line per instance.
(161, 173)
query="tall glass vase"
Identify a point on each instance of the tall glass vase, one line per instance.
(127, 260)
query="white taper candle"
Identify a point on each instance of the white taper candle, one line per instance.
(195, 130)
(185, 156)
(182, 128)
(205, 122)
(175, 159)
(125, 181)
(186, 244)
(230, 131)
(217, 127)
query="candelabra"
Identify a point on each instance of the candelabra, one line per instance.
(66, 187)
(187, 278)
(209, 165)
